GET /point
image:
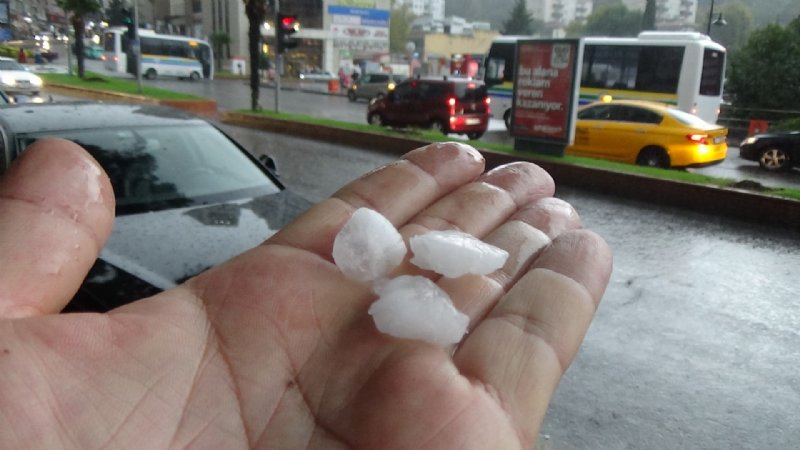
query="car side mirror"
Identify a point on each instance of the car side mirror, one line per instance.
(269, 163)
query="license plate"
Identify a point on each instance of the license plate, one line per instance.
(472, 121)
(719, 139)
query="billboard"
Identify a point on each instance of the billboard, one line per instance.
(545, 90)
(360, 30)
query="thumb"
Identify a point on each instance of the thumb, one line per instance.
(56, 213)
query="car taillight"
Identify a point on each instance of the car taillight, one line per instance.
(116, 58)
(487, 101)
(451, 102)
(698, 138)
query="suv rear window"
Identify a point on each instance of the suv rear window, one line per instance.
(469, 92)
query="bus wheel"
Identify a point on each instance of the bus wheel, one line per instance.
(653, 157)
(507, 119)
(151, 74)
(194, 76)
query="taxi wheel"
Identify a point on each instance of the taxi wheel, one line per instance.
(653, 157)
(774, 159)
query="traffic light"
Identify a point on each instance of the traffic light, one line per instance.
(127, 20)
(287, 25)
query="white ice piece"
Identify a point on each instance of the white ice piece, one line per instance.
(414, 307)
(368, 247)
(454, 253)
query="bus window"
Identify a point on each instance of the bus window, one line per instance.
(610, 67)
(660, 69)
(711, 77)
(496, 66)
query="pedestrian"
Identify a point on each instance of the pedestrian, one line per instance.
(22, 58)
(37, 56)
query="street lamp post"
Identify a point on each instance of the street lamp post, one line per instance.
(719, 21)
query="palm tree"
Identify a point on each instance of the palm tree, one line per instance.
(256, 12)
(79, 9)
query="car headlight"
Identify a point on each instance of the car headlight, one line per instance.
(8, 80)
(36, 81)
(750, 140)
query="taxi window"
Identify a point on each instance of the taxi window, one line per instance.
(625, 113)
(599, 112)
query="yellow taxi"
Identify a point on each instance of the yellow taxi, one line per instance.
(648, 134)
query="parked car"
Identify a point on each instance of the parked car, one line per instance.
(94, 52)
(450, 105)
(371, 85)
(188, 197)
(648, 134)
(773, 151)
(16, 79)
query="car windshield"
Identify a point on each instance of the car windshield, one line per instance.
(159, 167)
(686, 118)
(10, 65)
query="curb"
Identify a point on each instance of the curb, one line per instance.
(729, 202)
(202, 107)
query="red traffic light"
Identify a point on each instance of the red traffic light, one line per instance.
(289, 22)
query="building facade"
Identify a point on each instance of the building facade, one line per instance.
(558, 14)
(672, 15)
(428, 8)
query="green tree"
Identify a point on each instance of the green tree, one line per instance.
(764, 72)
(649, 15)
(400, 28)
(256, 12)
(613, 20)
(79, 9)
(520, 21)
(574, 29)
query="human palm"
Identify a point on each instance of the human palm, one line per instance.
(275, 348)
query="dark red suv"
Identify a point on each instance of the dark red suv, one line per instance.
(451, 105)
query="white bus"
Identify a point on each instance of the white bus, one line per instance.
(162, 55)
(684, 69)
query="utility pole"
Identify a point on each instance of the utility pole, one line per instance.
(137, 46)
(278, 56)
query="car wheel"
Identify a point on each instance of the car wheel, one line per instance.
(474, 136)
(351, 96)
(438, 125)
(375, 119)
(151, 74)
(507, 119)
(774, 159)
(653, 157)
(194, 76)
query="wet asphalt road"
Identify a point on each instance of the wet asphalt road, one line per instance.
(697, 342)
